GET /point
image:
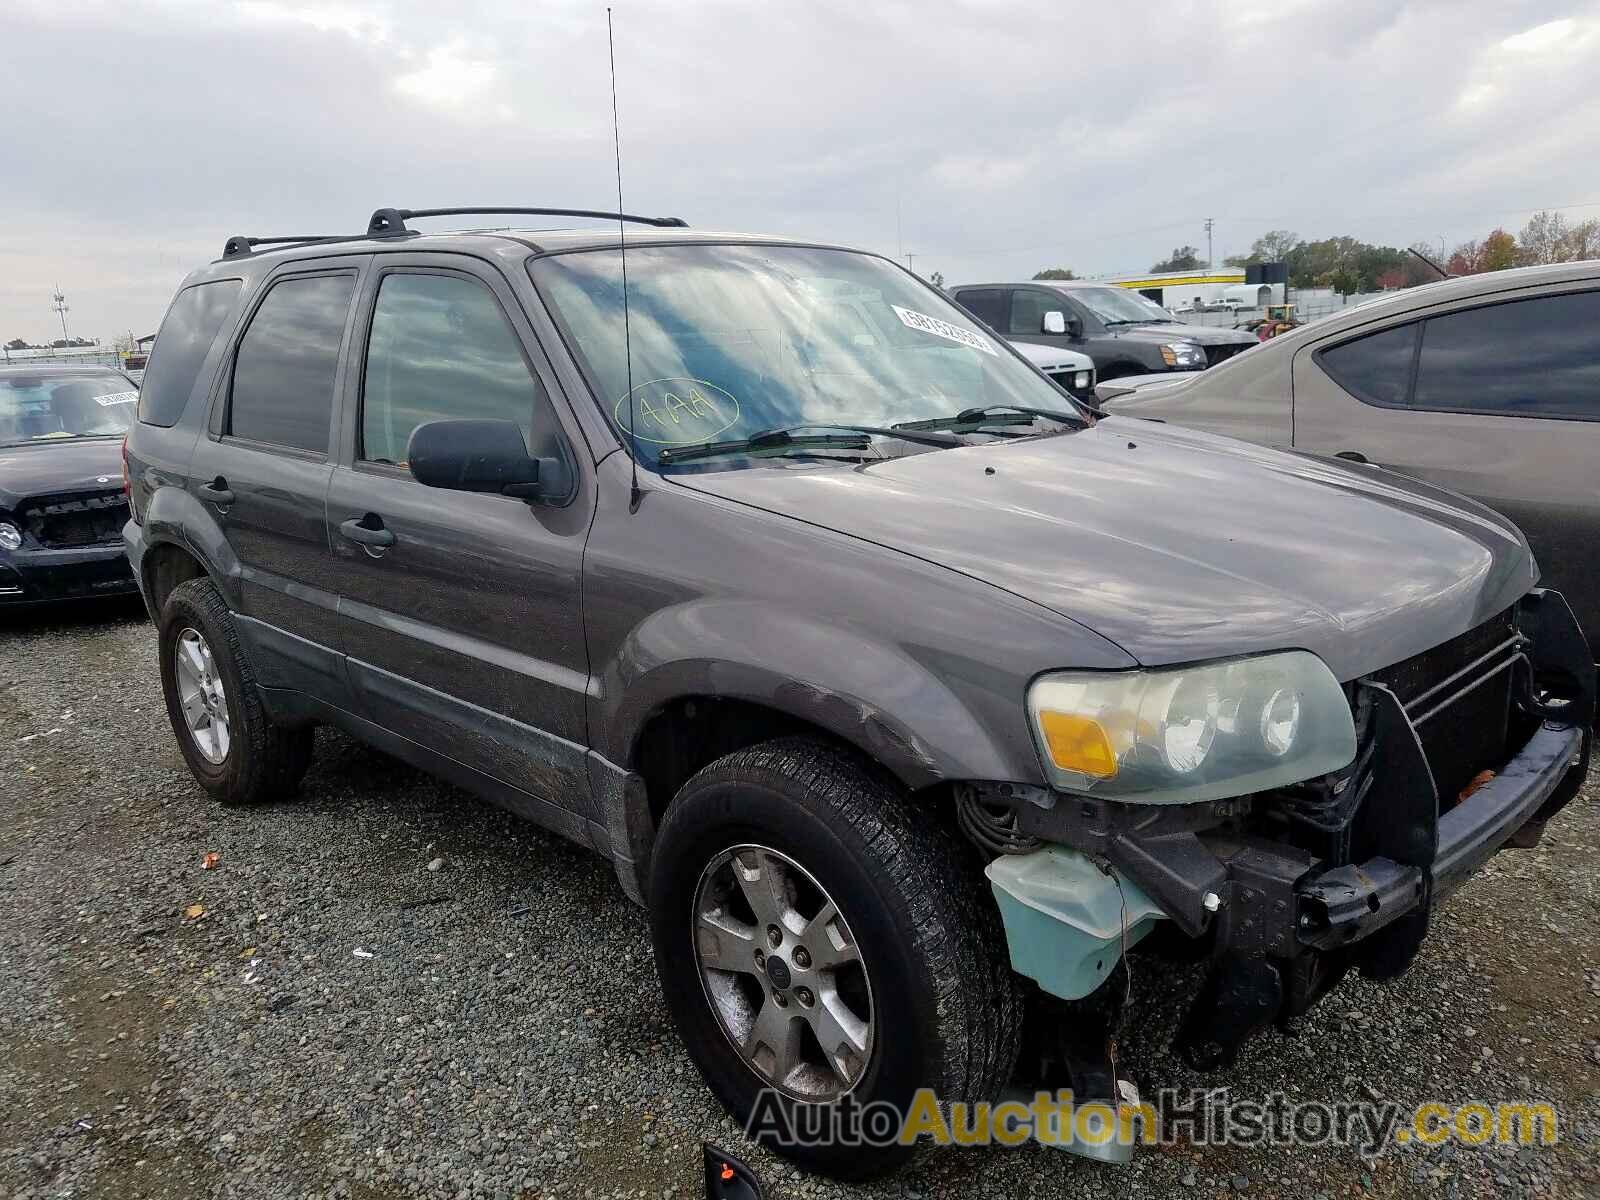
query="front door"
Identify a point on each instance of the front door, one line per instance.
(461, 612)
(264, 473)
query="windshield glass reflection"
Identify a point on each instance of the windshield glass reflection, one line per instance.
(730, 340)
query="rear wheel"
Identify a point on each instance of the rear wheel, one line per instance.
(233, 750)
(824, 944)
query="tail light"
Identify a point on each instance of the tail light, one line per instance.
(127, 484)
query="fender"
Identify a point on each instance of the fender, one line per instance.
(876, 696)
(174, 517)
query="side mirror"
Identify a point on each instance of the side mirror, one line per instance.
(1054, 322)
(474, 456)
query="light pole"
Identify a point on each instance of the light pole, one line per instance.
(1210, 263)
(60, 307)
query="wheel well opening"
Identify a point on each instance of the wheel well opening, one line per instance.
(691, 733)
(165, 567)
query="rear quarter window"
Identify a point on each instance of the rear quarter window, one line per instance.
(197, 315)
(1375, 368)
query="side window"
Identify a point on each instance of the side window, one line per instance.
(1028, 310)
(987, 304)
(1375, 368)
(441, 347)
(283, 371)
(186, 334)
(1536, 357)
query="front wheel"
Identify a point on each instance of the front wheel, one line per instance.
(825, 943)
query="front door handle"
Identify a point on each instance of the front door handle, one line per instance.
(1353, 456)
(368, 530)
(216, 491)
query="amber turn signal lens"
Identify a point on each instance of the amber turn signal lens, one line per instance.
(1078, 743)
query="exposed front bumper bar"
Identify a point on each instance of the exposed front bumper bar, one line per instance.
(1349, 903)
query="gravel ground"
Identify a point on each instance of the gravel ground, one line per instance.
(388, 989)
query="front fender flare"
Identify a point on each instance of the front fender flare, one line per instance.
(871, 693)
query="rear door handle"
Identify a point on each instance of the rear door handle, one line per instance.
(368, 530)
(216, 491)
(1353, 456)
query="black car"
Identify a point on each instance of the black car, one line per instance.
(901, 692)
(1123, 332)
(62, 503)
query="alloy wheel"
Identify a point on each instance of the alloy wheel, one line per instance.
(783, 973)
(202, 696)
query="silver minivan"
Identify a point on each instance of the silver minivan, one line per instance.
(1487, 384)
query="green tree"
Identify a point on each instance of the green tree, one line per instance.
(937, 279)
(1272, 246)
(1055, 273)
(1344, 281)
(1499, 251)
(17, 344)
(1183, 258)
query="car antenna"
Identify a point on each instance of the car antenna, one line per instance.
(1443, 274)
(622, 249)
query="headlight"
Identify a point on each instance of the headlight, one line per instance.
(10, 536)
(1192, 733)
(1081, 380)
(1183, 354)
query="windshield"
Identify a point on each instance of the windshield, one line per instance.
(1114, 305)
(729, 341)
(41, 408)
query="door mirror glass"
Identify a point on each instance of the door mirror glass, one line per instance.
(473, 456)
(1055, 322)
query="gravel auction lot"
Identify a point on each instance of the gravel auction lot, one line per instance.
(386, 988)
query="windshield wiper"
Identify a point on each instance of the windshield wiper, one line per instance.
(784, 440)
(997, 414)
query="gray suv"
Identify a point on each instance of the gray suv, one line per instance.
(903, 692)
(1125, 333)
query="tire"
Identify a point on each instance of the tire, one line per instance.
(915, 904)
(259, 761)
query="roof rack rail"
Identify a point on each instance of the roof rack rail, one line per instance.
(239, 245)
(390, 222)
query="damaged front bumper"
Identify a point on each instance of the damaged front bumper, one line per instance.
(1293, 889)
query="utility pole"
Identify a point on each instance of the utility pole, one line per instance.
(60, 307)
(1210, 262)
(910, 260)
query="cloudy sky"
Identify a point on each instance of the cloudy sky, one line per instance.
(987, 138)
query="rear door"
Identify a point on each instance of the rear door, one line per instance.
(465, 631)
(1499, 400)
(987, 304)
(264, 467)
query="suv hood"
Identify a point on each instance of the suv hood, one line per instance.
(1204, 335)
(61, 465)
(1177, 545)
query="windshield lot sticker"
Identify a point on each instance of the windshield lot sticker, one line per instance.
(912, 319)
(111, 398)
(679, 411)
